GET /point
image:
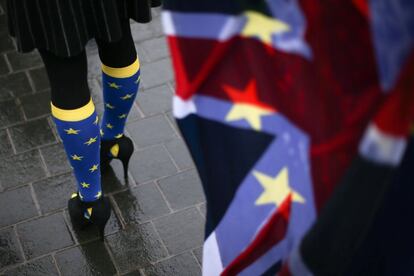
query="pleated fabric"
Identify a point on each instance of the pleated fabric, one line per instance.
(65, 26)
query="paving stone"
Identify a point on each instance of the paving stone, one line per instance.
(6, 43)
(40, 79)
(21, 61)
(155, 48)
(4, 69)
(134, 273)
(182, 190)
(53, 192)
(88, 259)
(151, 163)
(178, 150)
(44, 235)
(198, 253)
(16, 205)
(136, 247)
(157, 73)
(151, 131)
(94, 63)
(143, 32)
(172, 121)
(15, 84)
(40, 267)
(10, 113)
(96, 91)
(35, 105)
(5, 145)
(32, 134)
(155, 100)
(203, 209)
(181, 231)
(55, 159)
(21, 169)
(141, 203)
(113, 178)
(183, 265)
(9, 248)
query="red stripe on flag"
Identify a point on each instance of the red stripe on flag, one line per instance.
(272, 233)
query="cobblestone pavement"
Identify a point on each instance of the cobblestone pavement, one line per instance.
(157, 224)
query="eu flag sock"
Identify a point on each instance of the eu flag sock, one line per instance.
(79, 131)
(120, 88)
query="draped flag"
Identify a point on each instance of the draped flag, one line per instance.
(275, 99)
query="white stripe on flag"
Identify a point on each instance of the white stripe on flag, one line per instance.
(382, 147)
(211, 257)
(183, 108)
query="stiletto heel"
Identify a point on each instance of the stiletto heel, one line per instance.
(121, 148)
(84, 214)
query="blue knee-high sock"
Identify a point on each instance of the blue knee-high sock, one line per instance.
(79, 132)
(120, 87)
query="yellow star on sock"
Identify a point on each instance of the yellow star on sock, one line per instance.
(76, 157)
(91, 141)
(109, 126)
(109, 106)
(93, 168)
(138, 79)
(122, 116)
(276, 189)
(71, 131)
(96, 120)
(263, 27)
(119, 135)
(127, 96)
(85, 185)
(99, 194)
(114, 85)
(252, 114)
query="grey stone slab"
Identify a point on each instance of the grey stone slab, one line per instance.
(183, 265)
(4, 69)
(155, 100)
(155, 48)
(96, 91)
(15, 84)
(94, 64)
(172, 120)
(87, 259)
(198, 253)
(6, 43)
(35, 105)
(151, 163)
(44, 235)
(151, 131)
(40, 267)
(10, 113)
(40, 79)
(182, 190)
(134, 273)
(113, 178)
(16, 205)
(21, 169)
(203, 209)
(53, 192)
(5, 145)
(21, 61)
(135, 247)
(142, 32)
(32, 134)
(181, 231)
(56, 159)
(9, 248)
(156, 73)
(178, 150)
(141, 203)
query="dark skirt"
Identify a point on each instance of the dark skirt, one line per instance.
(65, 26)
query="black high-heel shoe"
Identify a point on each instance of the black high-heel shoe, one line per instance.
(83, 214)
(120, 148)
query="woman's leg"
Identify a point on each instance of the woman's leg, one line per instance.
(76, 121)
(120, 81)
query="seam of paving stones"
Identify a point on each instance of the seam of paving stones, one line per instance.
(53, 255)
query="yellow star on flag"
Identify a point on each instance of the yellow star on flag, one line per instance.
(248, 112)
(76, 157)
(122, 116)
(96, 120)
(262, 26)
(109, 126)
(94, 168)
(72, 131)
(114, 85)
(85, 185)
(91, 141)
(119, 135)
(276, 189)
(127, 96)
(109, 106)
(99, 194)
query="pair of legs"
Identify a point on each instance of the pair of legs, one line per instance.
(74, 113)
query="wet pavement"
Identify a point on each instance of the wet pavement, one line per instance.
(157, 224)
